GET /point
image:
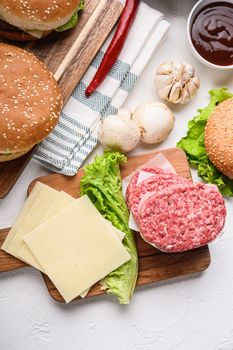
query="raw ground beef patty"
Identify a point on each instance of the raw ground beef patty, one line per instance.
(133, 182)
(182, 217)
(154, 184)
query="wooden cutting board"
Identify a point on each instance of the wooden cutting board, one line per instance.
(67, 55)
(153, 265)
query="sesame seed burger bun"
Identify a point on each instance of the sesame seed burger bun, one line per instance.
(30, 102)
(42, 15)
(219, 137)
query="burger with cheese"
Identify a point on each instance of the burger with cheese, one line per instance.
(30, 102)
(33, 19)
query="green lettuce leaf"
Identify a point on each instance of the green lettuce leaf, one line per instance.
(194, 147)
(74, 19)
(102, 183)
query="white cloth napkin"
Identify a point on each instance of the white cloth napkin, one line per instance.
(75, 136)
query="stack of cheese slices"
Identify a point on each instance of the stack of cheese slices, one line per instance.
(67, 239)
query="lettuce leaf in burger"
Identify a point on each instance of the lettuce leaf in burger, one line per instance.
(74, 19)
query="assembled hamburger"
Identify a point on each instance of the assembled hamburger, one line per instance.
(209, 141)
(30, 102)
(30, 20)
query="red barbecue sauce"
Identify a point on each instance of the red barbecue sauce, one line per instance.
(212, 33)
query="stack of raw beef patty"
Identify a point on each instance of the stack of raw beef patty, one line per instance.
(173, 213)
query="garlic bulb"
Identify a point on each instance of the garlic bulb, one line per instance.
(176, 82)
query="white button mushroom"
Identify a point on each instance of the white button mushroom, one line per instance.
(155, 120)
(119, 132)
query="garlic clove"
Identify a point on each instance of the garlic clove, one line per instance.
(188, 71)
(179, 70)
(196, 81)
(165, 68)
(175, 93)
(185, 96)
(193, 86)
(178, 67)
(161, 81)
(164, 93)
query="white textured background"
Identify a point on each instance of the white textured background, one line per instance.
(193, 313)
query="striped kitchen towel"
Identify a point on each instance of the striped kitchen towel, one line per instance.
(75, 136)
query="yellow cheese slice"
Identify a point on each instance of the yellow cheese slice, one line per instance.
(36, 33)
(76, 248)
(31, 217)
(120, 236)
(117, 232)
(26, 208)
(60, 202)
(62, 199)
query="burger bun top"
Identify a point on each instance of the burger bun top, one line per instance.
(30, 100)
(42, 15)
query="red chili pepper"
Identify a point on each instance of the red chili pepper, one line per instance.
(116, 45)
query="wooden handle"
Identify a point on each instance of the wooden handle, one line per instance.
(84, 46)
